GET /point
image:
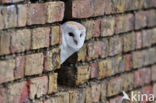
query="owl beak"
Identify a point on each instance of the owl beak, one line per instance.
(75, 41)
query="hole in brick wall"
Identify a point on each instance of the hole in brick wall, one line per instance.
(67, 72)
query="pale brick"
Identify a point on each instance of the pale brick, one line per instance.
(52, 83)
(22, 15)
(55, 35)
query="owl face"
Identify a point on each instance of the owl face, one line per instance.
(73, 34)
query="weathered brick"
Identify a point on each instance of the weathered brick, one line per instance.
(34, 64)
(128, 62)
(134, 4)
(140, 20)
(153, 32)
(89, 24)
(38, 101)
(108, 7)
(149, 3)
(119, 5)
(137, 59)
(88, 98)
(55, 35)
(127, 83)
(52, 83)
(149, 59)
(105, 68)
(115, 45)
(38, 87)
(129, 42)
(73, 96)
(22, 15)
(95, 90)
(93, 67)
(64, 97)
(83, 74)
(10, 1)
(40, 37)
(116, 100)
(97, 28)
(118, 64)
(104, 48)
(138, 37)
(124, 23)
(81, 95)
(107, 26)
(142, 76)
(103, 90)
(99, 7)
(18, 93)
(80, 9)
(10, 16)
(82, 53)
(153, 72)
(7, 70)
(114, 86)
(2, 23)
(19, 70)
(151, 18)
(94, 50)
(36, 14)
(5, 42)
(55, 11)
(154, 89)
(20, 40)
(147, 38)
(147, 90)
(52, 59)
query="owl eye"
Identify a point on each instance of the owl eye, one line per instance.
(71, 34)
(81, 35)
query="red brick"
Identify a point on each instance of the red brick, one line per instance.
(138, 40)
(55, 11)
(10, 1)
(7, 70)
(19, 70)
(22, 15)
(14, 93)
(124, 23)
(20, 40)
(18, 93)
(115, 45)
(140, 20)
(142, 76)
(34, 64)
(38, 87)
(97, 25)
(151, 18)
(93, 70)
(128, 61)
(36, 14)
(107, 26)
(40, 37)
(5, 42)
(80, 9)
(147, 38)
(99, 7)
(147, 90)
(95, 90)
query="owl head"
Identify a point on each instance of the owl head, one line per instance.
(73, 36)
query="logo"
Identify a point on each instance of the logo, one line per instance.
(137, 96)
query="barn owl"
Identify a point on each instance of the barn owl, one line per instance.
(73, 36)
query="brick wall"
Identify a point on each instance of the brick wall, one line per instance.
(119, 51)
